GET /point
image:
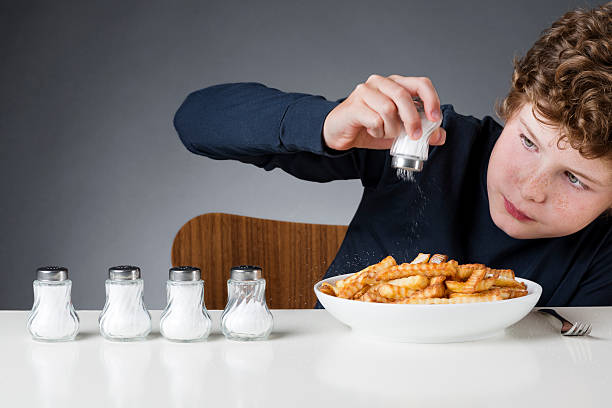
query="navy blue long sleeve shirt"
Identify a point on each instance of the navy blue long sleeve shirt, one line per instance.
(444, 210)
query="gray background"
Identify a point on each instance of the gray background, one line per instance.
(93, 174)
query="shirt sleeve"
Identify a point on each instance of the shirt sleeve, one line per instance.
(270, 129)
(595, 288)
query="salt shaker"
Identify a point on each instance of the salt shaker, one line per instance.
(246, 315)
(185, 317)
(125, 316)
(408, 155)
(53, 317)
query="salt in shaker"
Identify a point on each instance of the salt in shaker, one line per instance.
(125, 316)
(185, 317)
(246, 315)
(408, 155)
(53, 317)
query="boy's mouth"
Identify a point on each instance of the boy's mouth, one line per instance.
(515, 212)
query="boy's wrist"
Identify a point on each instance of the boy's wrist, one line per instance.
(330, 151)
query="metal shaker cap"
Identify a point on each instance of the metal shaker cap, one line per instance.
(245, 273)
(185, 273)
(408, 163)
(124, 272)
(52, 273)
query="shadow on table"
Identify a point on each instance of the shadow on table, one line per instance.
(536, 326)
(87, 335)
(215, 336)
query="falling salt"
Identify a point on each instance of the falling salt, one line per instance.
(405, 175)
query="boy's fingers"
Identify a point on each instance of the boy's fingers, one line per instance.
(384, 106)
(423, 87)
(402, 98)
(438, 137)
(371, 120)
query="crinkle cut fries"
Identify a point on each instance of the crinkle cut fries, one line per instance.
(427, 280)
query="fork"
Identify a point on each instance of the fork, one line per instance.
(568, 328)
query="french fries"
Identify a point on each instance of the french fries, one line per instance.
(354, 284)
(421, 258)
(428, 279)
(438, 258)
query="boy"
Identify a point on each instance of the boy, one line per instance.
(534, 196)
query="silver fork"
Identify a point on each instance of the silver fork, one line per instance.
(568, 328)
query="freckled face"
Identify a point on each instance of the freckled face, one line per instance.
(537, 189)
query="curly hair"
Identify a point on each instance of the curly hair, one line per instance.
(567, 77)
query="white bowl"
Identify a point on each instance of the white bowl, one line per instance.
(429, 323)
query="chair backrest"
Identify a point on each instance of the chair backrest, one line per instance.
(294, 256)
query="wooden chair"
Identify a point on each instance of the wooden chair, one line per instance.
(293, 256)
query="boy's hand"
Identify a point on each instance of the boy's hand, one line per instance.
(376, 111)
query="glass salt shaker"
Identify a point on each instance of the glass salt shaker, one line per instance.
(125, 316)
(246, 315)
(185, 317)
(53, 317)
(409, 155)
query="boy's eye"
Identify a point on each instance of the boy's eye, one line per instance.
(526, 142)
(574, 180)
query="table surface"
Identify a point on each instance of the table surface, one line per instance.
(310, 359)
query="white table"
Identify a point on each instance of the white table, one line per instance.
(311, 360)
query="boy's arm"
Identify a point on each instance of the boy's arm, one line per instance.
(269, 128)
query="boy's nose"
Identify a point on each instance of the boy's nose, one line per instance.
(534, 187)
